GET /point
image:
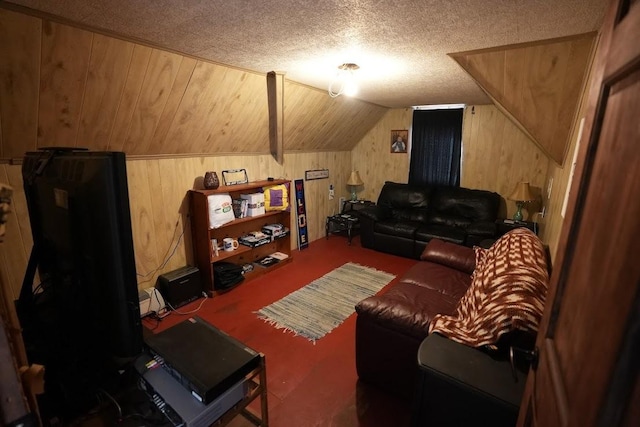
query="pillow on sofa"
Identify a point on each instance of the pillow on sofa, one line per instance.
(507, 292)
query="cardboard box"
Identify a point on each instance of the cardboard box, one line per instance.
(256, 203)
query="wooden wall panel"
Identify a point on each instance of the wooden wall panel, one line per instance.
(65, 61)
(16, 248)
(132, 87)
(497, 155)
(159, 208)
(315, 121)
(156, 88)
(223, 111)
(108, 67)
(538, 84)
(372, 156)
(142, 219)
(160, 142)
(101, 92)
(19, 82)
(558, 177)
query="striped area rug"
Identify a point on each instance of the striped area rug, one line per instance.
(316, 309)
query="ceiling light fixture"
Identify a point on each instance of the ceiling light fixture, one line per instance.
(344, 81)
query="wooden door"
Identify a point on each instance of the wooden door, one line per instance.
(589, 340)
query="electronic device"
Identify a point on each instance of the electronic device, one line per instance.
(205, 360)
(181, 286)
(151, 302)
(84, 316)
(175, 401)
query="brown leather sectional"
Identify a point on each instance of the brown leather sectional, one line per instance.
(390, 327)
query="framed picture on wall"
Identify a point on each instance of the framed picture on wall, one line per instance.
(399, 140)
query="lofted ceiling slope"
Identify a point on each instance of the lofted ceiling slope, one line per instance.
(401, 46)
(537, 85)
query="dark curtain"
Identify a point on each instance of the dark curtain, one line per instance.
(435, 147)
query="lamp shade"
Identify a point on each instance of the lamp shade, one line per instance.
(355, 179)
(522, 193)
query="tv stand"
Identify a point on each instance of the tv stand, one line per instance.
(199, 375)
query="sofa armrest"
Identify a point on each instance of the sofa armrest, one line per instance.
(482, 228)
(455, 256)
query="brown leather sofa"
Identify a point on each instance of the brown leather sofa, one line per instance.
(391, 326)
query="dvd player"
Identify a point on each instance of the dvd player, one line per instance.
(176, 403)
(206, 361)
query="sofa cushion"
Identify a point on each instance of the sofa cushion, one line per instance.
(407, 308)
(449, 254)
(448, 233)
(449, 220)
(438, 277)
(507, 292)
(406, 214)
(458, 202)
(393, 227)
(401, 196)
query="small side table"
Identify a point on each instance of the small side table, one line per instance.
(340, 223)
(506, 225)
(356, 205)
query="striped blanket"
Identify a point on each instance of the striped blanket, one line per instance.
(507, 292)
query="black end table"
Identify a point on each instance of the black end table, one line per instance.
(506, 225)
(341, 223)
(351, 206)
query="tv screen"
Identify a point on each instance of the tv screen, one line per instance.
(82, 320)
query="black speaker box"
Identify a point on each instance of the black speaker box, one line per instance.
(180, 286)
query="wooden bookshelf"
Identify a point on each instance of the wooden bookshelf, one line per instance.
(203, 234)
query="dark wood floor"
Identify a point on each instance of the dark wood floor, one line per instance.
(308, 385)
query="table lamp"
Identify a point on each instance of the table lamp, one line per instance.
(521, 194)
(354, 181)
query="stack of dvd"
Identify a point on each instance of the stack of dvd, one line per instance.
(254, 239)
(276, 231)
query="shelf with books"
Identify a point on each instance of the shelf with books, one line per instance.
(203, 234)
(214, 231)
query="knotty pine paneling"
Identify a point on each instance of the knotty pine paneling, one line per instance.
(539, 84)
(223, 111)
(19, 82)
(162, 70)
(65, 62)
(315, 121)
(159, 207)
(106, 78)
(559, 176)
(138, 67)
(496, 155)
(372, 156)
(16, 248)
(71, 87)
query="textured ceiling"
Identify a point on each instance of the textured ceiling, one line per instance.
(400, 46)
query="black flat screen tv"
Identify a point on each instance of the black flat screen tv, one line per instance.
(81, 319)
